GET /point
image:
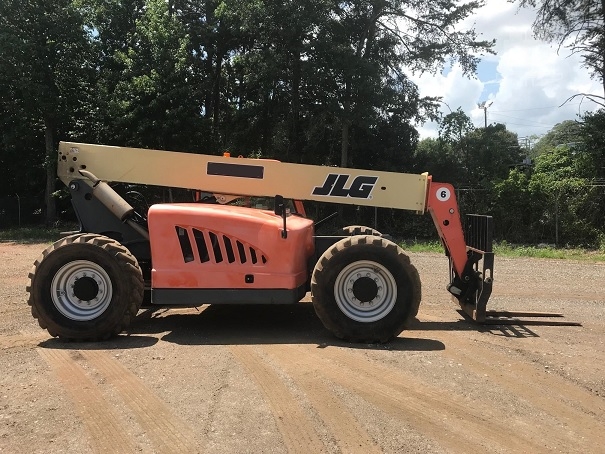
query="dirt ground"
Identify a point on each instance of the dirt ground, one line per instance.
(259, 379)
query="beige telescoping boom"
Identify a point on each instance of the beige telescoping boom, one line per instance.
(243, 177)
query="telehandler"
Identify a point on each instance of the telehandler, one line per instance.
(90, 285)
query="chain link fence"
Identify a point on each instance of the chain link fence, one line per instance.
(17, 211)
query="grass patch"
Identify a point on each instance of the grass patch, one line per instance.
(34, 234)
(421, 246)
(548, 252)
(504, 249)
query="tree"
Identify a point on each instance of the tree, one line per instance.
(578, 25)
(565, 133)
(455, 126)
(517, 208)
(440, 159)
(414, 35)
(560, 199)
(339, 69)
(46, 70)
(152, 102)
(592, 141)
(559, 178)
(453, 129)
(312, 81)
(274, 100)
(492, 152)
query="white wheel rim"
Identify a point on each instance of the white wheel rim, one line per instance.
(68, 296)
(364, 308)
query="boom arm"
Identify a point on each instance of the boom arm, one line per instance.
(241, 176)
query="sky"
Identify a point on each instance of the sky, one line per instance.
(526, 81)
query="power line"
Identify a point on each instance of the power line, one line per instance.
(537, 108)
(527, 125)
(535, 123)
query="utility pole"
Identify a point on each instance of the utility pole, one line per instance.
(484, 105)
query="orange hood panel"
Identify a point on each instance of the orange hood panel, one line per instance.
(217, 246)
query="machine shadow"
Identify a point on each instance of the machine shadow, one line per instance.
(518, 331)
(252, 325)
(115, 343)
(512, 328)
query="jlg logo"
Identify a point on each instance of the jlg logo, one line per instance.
(334, 186)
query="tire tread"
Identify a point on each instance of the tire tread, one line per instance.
(131, 273)
(321, 268)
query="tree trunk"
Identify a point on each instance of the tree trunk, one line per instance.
(216, 97)
(346, 126)
(49, 164)
(295, 125)
(344, 151)
(602, 55)
(603, 76)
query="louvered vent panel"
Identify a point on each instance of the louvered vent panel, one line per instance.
(217, 248)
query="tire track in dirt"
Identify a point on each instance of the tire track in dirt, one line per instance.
(347, 432)
(294, 425)
(21, 340)
(167, 432)
(100, 419)
(453, 422)
(579, 411)
(580, 395)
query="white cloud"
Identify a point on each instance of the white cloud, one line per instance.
(527, 80)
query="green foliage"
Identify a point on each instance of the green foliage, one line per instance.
(577, 25)
(560, 200)
(592, 144)
(312, 81)
(455, 126)
(547, 251)
(422, 246)
(505, 249)
(567, 133)
(489, 154)
(152, 103)
(440, 158)
(46, 76)
(31, 235)
(570, 209)
(517, 209)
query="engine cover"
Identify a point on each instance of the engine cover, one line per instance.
(207, 246)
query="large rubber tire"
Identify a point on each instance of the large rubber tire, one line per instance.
(364, 289)
(85, 287)
(351, 230)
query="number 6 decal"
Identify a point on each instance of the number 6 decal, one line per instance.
(443, 194)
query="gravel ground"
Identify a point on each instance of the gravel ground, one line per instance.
(262, 379)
